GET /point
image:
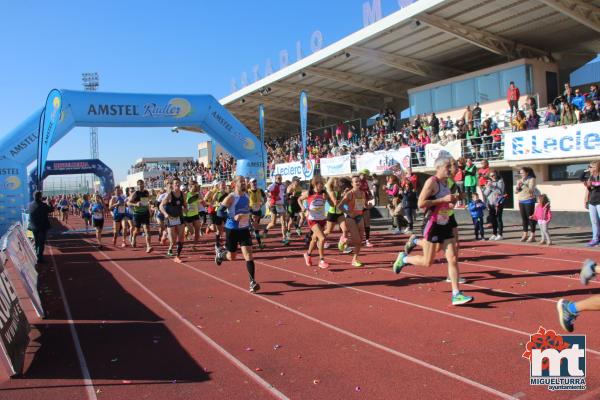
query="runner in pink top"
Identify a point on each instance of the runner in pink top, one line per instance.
(317, 218)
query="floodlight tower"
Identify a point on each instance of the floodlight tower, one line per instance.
(91, 81)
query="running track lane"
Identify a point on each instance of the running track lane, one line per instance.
(243, 279)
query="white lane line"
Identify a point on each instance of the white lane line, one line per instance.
(386, 349)
(394, 299)
(87, 380)
(253, 375)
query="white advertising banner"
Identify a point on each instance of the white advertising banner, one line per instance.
(579, 140)
(290, 170)
(433, 151)
(380, 162)
(335, 166)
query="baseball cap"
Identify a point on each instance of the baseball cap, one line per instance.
(364, 171)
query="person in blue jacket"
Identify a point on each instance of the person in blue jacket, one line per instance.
(476, 207)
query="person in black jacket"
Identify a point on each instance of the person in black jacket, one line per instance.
(409, 204)
(39, 223)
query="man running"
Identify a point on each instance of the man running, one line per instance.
(118, 206)
(160, 217)
(436, 197)
(568, 311)
(214, 197)
(237, 229)
(97, 212)
(192, 216)
(139, 200)
(277, 208)
(257, 198)
(173, 207)
(63, 206)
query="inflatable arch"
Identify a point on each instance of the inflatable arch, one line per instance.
(18, 148)
(70, 167)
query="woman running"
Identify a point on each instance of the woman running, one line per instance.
(97, 212)
(214, 197)
(172, 207)
(85, 212)
(438, 232)
(353, 202)
(117, 206)
(294, 191)
(335, 216)
(317, 219)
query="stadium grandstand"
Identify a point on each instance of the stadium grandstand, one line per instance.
(442, 57)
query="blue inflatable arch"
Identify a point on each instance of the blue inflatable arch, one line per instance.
(70, 167)
(18, 148)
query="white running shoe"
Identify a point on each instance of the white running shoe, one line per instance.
(493, 237)
(499, 237)
(460, 280)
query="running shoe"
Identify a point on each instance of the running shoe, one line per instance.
(307, 260)
(399, 263)
(285, 242)
(254, 287)
(298, 232)
(588, 271)
(288, 235)
(170, 253)
(410, 244)
(149, 249)
(323, 264)
(368, 244)
(460, 280)
(565, 317)
(460, 298)
(261, 245)
(326, 245)
(218, 258)
(123, 244)
(341, 245)
(592, 243)
(396, 231)
(348, 250)
(357, 264)
(498, 237)
(177, 260)
(493, 237)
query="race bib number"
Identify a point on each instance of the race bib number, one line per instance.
(359, 204)
(443, 216)
(174, 221)
(317, 212)
(144, 202)
(98, 215)
(243, 220)
(280, 208)
(193, 208)
(121, 209)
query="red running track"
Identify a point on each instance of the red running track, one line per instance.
(147, 327)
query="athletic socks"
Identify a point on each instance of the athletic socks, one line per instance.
(250, 268)
(572, 308)
(179, 248)
(455, 292)
(367, 232)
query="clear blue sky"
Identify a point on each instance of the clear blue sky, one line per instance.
(151, 47)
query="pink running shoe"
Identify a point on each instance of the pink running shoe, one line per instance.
(307, 260)
(368, 244)
(323, 264)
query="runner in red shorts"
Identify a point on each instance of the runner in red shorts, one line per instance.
(317, 218)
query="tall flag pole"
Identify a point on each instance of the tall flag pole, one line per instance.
(303, 117)
(50, 118)
(261, 124)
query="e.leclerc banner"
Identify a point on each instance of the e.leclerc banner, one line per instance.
(14, 328)
(50, 120)
(551, 143)
(290, 170)
(333, 166)
(303, 118)
(380, 162)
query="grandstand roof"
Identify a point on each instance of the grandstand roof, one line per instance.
(422, 43)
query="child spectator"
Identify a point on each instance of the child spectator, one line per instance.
(476, 207)
(543, 215)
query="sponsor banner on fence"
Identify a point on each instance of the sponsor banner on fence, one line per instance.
(433, 151)
(335, 166)
(290, 170)
(380, 162)
(14, 328)
(21, 254)
(559, 142)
